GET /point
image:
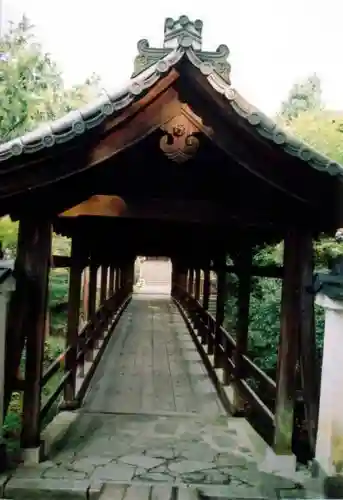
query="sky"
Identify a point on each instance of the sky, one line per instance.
(273, 43)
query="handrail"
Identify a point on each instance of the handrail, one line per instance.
(226, 347)
(264, 378)
(113, 306)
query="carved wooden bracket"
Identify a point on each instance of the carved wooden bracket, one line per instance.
(179, 144)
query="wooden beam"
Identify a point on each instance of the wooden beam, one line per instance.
(270, 271)
(60, 261)
(34, 257)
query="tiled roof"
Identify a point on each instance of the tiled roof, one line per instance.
(151, 65)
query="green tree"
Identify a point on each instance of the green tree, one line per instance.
(32, 90)
(321, 129)
(303, 96)
(8, 236)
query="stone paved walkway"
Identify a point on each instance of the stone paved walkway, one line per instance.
(152, 417)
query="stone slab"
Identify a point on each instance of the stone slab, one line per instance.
(52, 489)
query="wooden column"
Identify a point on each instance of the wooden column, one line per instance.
(111, 281)
(309, 363)
(85, 292)
(244, 263)
(290, 323)
(130, 272)
(103, 285)
(197, 284)
(93, 273)
(220, 307)
(117, 280)
(174, 277)
(34, 257)
(207, 284)
(74, 301)
(191, 281)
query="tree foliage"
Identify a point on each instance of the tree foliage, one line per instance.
(32, 90)
(303, 96)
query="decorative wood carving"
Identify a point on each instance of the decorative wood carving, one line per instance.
(179, 143)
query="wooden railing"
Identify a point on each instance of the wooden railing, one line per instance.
(96, 329)
(256, 388)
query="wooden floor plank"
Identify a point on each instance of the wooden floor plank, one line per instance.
(151, 365)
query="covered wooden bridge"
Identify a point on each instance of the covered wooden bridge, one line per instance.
(176, 164)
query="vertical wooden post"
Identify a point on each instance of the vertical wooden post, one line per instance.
(244, 263)
(35, 252)
(85, 292)
(92, 292)
(93, 272)
(74, 301)
(191, 282)
(206, 297)
(220, 308)
(111, 281)
(309, 364)
(174, 277)
(197, 284)
(117, 281)
(290, 323)
(103, 285)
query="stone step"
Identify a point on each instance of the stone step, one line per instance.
(148, 492)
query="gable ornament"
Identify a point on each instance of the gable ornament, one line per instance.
(179, 143)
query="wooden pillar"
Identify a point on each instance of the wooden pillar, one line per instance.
(207, 285)
(111, 281)
(220, 308)
(85, 292)
(244, 263)
(34, 256)
(191, 281)
(103, 285)
(309, 364)
(117, 280)
(130, 273)
(174, 277)
(197, 284)
(74, 301)
(93, 273)
(290, 323)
